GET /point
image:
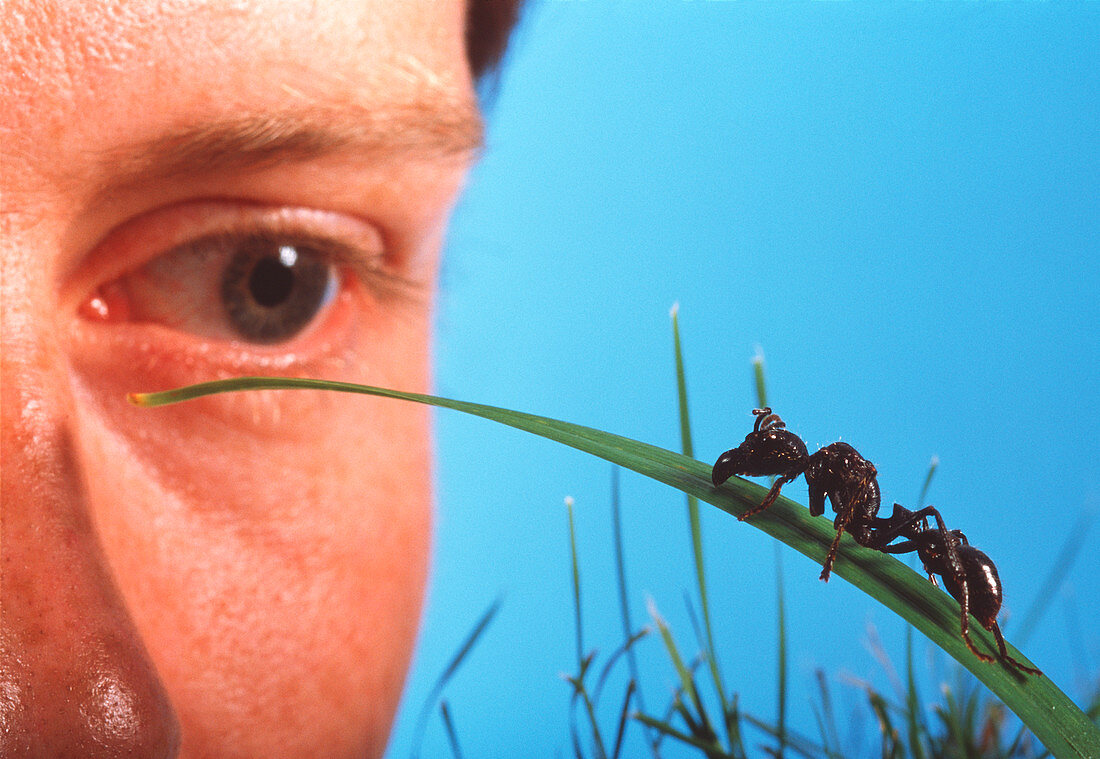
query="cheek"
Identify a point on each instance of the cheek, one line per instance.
(274, 560)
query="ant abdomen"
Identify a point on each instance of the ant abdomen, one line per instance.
(983, 585)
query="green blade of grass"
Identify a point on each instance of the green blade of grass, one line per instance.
(890, 746)
(620, 575)
(781, 624)
(583, 661)
(914, 715)
(781, 651)
(666, 728)
(829, 736)
(576, 582)
(1054, 719)
(797, 743)
(449, 725)
(451, 668)
(624, 718)
(932, 466)
(611, 661)
(758, 378)
(624, 605)
(687, 677)
(688, 450)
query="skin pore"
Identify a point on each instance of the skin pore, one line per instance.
(240, 576)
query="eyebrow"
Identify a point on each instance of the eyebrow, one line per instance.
(257, 141)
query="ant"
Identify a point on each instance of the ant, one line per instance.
(837, 471)
(840, 473)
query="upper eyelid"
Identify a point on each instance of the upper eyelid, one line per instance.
(374, 270)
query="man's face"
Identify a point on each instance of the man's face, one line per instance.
(193, 191)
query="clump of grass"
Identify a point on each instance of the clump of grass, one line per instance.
(969, 723)
(966, 721)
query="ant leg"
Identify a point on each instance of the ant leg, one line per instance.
(899, 524)
(996, 630)
(831, 556)
(913, 525)
(950, 538)
(846, 512)
(964, 619)
(770, 498)
(908, 546)
(954, 564)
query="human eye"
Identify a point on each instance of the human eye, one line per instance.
(257, 287)
(264, 279)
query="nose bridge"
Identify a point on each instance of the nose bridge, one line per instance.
(75, 679)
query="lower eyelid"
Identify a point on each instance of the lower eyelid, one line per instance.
(159, 356)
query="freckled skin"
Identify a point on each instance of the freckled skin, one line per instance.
(237, 577)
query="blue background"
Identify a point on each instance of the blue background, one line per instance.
(899, 203)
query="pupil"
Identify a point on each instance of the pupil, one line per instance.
(272, 290)
(270, 282)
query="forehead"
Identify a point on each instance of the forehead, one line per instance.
(88, 74)
(51, 34)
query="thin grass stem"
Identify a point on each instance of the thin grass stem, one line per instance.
(758, 378)
(441, 682)
(932, 466)
(624, 719)
(781, 651)
(914, 716)
(687, 447)
(449, 726)
(624, 603)
(578, 624)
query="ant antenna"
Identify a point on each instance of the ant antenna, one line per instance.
(765, 418)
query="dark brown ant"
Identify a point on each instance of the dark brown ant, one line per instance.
(837, 471)
(850, 482)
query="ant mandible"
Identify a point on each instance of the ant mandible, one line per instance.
(837, 471)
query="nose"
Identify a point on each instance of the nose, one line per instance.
(75, 679)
